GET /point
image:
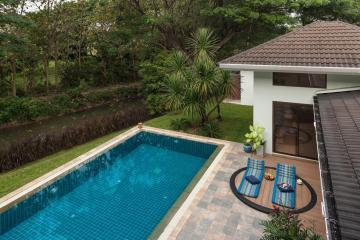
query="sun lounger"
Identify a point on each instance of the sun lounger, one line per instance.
(285, 174)
(257, 169)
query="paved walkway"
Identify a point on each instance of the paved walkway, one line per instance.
(216, 213)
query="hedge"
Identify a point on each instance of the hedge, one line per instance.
(34, 148)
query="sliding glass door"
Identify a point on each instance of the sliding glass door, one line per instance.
(294, 131)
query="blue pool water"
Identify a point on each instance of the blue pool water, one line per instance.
(122, 194)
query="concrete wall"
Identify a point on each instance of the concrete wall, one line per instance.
(265, 93)
(247, 87)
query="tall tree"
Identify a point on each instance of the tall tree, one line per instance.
(345, 10)
(12, 35)
(47, 19)
(244, 24)
(173, 20)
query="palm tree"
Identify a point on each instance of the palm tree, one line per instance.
(195, 84)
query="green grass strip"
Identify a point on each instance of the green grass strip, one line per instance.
(12, 180)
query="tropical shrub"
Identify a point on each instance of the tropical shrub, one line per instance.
(180, 124)
(42, 145)
(195, 85)
(255, 137)
(211, 129)
(287, 226)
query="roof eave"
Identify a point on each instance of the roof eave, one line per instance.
(287, 68)
(328, 201)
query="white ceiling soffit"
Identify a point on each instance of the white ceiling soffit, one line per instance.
(282, 68)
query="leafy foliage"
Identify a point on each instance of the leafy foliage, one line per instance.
(25, 109)
(255, 137)
(61, 44)
(345, 10)
(153, 77)
(192, 84)
(211, 129)
(180, 124)
(287, 226)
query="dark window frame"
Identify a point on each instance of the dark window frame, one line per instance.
(275, 83)
(273, 132)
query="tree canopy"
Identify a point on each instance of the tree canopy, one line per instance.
(59, 44)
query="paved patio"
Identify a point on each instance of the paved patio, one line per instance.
(217, 214)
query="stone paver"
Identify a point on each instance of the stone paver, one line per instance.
(216, 213)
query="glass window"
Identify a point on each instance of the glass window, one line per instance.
(299, 80)
(294, 131)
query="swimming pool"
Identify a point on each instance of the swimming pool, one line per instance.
(121, 194)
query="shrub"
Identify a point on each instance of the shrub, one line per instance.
(71, 75)
(153, 74)
(16, 107)
(61, 103)
(24, 109)
(118, 94)
(180, 124)
(155, 104)
(287, 226)
(77, 98)
(211, 129)
(97, 97)
(4, 117)
(40, 146)
(127, 92)
(39, 108)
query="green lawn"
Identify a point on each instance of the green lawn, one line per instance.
(14, 179)
(236, 121)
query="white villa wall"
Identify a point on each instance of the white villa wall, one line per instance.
(265, 93)
(247, 87)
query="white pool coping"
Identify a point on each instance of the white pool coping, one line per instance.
(36, 185)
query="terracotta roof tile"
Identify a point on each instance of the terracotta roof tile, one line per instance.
(319, 44)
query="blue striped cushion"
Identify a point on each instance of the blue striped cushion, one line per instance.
(285, 174)
(255, 168)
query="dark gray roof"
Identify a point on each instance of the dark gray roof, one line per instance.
(338, 117)
(319, 44)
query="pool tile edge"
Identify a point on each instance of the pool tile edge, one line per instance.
(23, 192)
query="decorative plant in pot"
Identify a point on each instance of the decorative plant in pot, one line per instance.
(255, 140)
